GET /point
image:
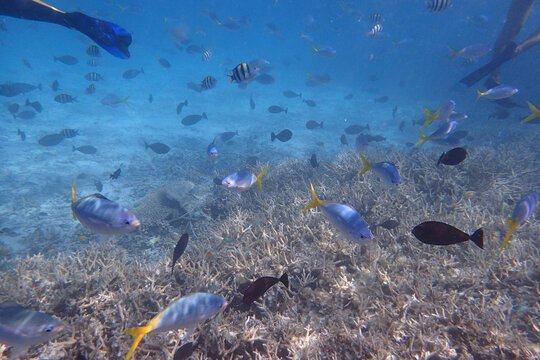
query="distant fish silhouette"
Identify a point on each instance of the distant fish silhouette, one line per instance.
(179, 250)
(259, 287)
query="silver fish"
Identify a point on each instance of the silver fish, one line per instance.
(241, 181)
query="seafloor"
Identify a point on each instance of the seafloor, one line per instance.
(395, 299)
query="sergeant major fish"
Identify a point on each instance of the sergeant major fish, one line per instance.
(185, 313)
(243, 72)
(344, 217)
(101, 215)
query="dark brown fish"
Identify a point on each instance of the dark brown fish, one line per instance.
(66, 59)
(312, 124)
(310, 103)
(69, 133)
(313, 161)
(259, 287)
(355, 129)
(11, 89)
(115, 174)
(51, 140)
(193, 119)
(85, 149)
(158, 148)
(164, 62)
(344, 140)
(283, 136)
(185, 351)
(438, 233)
(453, 157)
(26, 115)
(180, 248)
(382, 99)
(64, 98)
(180, 107)
(36, 105)
(274, 109)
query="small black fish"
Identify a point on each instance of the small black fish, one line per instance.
(180, 107)
(69, 133)
(453, 157)
(274, 109)
(164, 62)
(132, 73)
(180, 248)
(251, 103)
(51, 140)
(382, 99)
(26, 63)
(150, 98)
(259, 287)
(93, 51)
(93, 76)
(355, 129)
(90, 89)
(310, 103)
(313, 161)
(158, 148)
(438, 233)
(344, 140)
(26, 115)
(283, 136)
(185, 351)
(389, 224)
(64, 98)
(36, 105)
(348, 97)
(312, 124)
(99, 185)
(21, 134)
(193, 119)
(291, 94)
(85, 149)
(66, 59)
(227, 135)
(54, 85)
(208, 83)
(376, 18)
(115, 174)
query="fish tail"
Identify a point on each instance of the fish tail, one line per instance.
(315, 50)
(480, 94)
(478, 238)
(454, 53)
(258, 178)
(511, 228)
(138, 333)
(534, 115)
(125, 100)
(230, 78)
(321, 125)
(285, 280)
(73, 148)
(204, 115)
(142, 70)
(367, 165)
(145, 145)
(272, 136)
(423, 139)
(315, 202)
(430, 116)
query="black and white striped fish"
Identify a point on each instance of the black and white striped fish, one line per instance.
(376, 18)
(208, 83)
(93, 51)
(207, 55)
(243, 72)
(439, 5)
(375, 30)
(93, 76)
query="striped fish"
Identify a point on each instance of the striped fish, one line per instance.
(69, 133)
(207, 55)
(64, 98)
(90, 89)
(375, 30)
(93, 51)
(243, 72)
(93, 76)
(439, 5)
(376, 18)
(208, 83)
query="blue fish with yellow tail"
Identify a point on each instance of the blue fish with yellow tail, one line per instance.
(344, 217)
(101, 215)
(185, 313)
(535, 113)
(523, 210)
(442, 132)
(443, 114)
(386, 171)
(243, 180)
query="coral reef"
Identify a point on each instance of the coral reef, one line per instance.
(393, 299)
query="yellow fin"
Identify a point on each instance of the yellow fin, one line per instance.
(258, 178)
(454, 53)
(511, 227)
(315, 51)
(315, 202)
(480, 94)
(125, 100)
(534, 115)
(73, 198)
(430, 116)
(138, 333)
(423, 139)
(367, 165)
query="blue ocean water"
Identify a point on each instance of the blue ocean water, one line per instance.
(391, 77)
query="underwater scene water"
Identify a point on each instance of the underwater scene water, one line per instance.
(269, 179)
